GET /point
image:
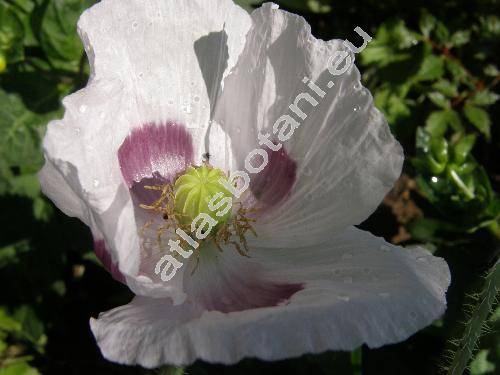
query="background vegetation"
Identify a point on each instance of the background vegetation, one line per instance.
(433, 68)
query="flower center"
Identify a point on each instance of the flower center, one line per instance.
(198, 191)
(199, 204)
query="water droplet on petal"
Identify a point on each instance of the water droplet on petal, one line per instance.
(96, 182)
(385, 248)
(134, 25)
(83, 108)
(196, 98)
(77, 131)
(343, 297)
(357, 86)
(356, 108)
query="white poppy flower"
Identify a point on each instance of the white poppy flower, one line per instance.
(171, 81)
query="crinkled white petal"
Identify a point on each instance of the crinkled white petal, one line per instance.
(151, 61)
(346, 156)
(357, 289)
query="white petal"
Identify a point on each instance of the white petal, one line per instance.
(358, 289)
(151, 62)
(347, 158)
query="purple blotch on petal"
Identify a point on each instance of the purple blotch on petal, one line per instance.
(155, 150)
(254, 296)
(273, 184)
(103, 255)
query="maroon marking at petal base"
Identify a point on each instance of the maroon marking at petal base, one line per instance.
(104, 256)
(273, 184)
(155, 151)
(245, 296)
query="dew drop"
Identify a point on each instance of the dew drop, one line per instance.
(77, 131)
(385, 248)
(356, 108)
(188, 108)
(96, 182)
(83, 108)
(134, 25)
(343, 297)
(357, 86)
(196, 98)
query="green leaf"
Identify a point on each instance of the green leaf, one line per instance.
(480, 364)
(463, 147)
(58, 34)
(19, 368)
(459, 38)
(478, 117)
(484, 97)
(21, 157)
(438, 121)
(7, 323)
(427, 24)
(491, 70)
(432, 68)
(10, 254)
(456, 70)
(32, 328)
(23, 10)
(439, 99)
(446, 88)
(442, 33)
(11, 34)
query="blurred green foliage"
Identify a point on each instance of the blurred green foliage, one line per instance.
(433, 69)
